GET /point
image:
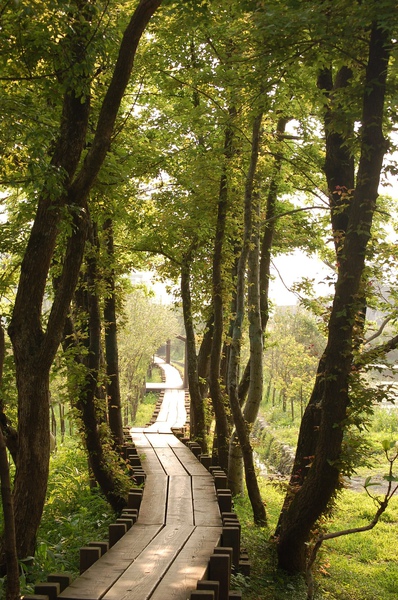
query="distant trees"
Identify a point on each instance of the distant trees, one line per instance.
(292, 350)
(145, 326)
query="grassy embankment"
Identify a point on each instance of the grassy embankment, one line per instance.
(361, 566)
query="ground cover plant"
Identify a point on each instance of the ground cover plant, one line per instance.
(357, 567)
(361, 566)
(75, 513)
(145, 409)
(382, 425)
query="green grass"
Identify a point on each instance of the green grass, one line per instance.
(383, 426)
(74, 514)
(145, 410)
(265, 582)
(156, 374)
(361, 566)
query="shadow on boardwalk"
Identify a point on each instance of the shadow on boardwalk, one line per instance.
(173, 547)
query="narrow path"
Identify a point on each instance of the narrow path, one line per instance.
(167, 550)
(172, 412)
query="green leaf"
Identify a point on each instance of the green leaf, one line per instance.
(368, 482)
(390, 478)
(387, 445)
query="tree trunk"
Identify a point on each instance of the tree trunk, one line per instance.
(340, 176)
(339, 161)
(305, 503)
(9, 433)
(241, 424)
(10, 546)
(258, 318)
(198, 423)
(34, 348)
(269, 229)
(88, 403)
(111, 347)
(204, 357)
(217, 394)
(34, 351)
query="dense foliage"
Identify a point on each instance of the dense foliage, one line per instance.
(198, 140)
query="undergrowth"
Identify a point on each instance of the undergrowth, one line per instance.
(74, 515)
(361, 566)
(145, 409)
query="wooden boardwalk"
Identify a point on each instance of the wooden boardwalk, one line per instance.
(164, 554)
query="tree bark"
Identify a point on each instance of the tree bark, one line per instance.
(198, 422)
(35, 346)
(10, 546)
(204, 357)
(88, 403)
(269, 227)
(217, 394)
(114, 402)
(258, 290)
(234, 472)
(242, 425)
(307, 501)
(9, 432)
(339, 160)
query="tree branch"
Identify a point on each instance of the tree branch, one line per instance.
(379, 331)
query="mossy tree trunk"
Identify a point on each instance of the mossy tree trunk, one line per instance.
(198, 421)
(218, 395)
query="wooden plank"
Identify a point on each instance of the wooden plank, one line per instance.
(189, 566)
(139, 438)
(174, 442)
(170, 462)
(153, 505)
(95, 582)
(172, 412)
(190, 462)
(143, 575)
(150, 461)
(205, 505)
(168, 409)
(159, 427)
(179, 501)
(173, 408)
(161, 440)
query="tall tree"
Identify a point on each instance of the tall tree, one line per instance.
(218, 395)
(312, 488)
(35, 342)
(13, 589)
(111, 345)
(250, 254)
(197, 417)
(249, 390)
(83, 335)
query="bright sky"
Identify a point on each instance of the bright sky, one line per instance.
(292, 268)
